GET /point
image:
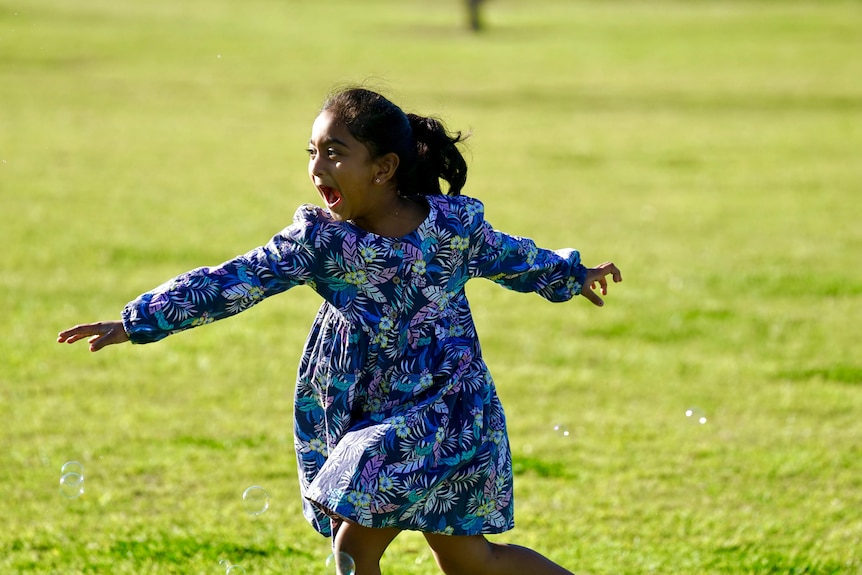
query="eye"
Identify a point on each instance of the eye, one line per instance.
(311, 152)
(331, 152)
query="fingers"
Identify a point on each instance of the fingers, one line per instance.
(78, 332)
(608, 268)
(97, 342)
(100, 334)
(603, 284)
(597, 277)
(592, 296)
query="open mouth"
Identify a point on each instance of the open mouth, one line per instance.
(331, 196)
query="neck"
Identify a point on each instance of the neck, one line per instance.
(396, 218)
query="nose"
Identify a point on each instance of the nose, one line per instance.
(314, 166)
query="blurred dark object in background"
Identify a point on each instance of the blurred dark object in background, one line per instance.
(473, 8)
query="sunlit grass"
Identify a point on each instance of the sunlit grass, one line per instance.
(709, 148)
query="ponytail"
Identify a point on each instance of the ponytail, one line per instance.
(437, 157)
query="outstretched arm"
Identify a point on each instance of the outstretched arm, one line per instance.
(101, 333)
(599, 274)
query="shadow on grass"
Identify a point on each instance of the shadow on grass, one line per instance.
(752, 558)
(850, 374)
(178, 549)
(574, 97)
(221, 444)
(678, 326)
(553, 469)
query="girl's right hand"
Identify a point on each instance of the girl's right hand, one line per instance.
(598, 274)
(100, 333)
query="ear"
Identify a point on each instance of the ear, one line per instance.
(385, 167)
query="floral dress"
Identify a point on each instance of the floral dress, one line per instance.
(397, 421)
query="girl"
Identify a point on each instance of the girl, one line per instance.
(397, 421)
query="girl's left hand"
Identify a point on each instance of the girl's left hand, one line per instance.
(599, 274)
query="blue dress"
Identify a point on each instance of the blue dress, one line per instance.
(397, 420)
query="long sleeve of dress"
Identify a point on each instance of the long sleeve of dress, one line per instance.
(206, 294)
(518, 264)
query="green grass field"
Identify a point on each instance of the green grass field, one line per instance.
(710, 148)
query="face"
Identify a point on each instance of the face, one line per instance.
(341, 168)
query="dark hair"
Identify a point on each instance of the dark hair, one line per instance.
(426, 151)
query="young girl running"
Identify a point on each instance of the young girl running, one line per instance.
(397, 421)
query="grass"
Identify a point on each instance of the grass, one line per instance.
(709, 148)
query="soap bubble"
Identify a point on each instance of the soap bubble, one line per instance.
(71, 485)
(231, 569)
(72, 480)
(255, 499)
(340, 564)
(72, 467)
(696, 416)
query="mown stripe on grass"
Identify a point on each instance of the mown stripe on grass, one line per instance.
(543, 468)
(839, 373)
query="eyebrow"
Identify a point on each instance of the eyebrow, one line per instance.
(330, 141)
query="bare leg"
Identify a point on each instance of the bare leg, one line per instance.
(364, 545)
(475, 555)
